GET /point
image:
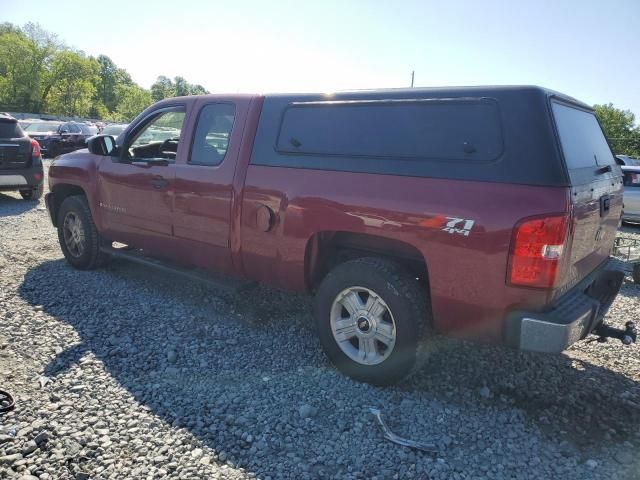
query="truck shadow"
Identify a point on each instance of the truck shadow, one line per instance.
(228, 368)
(12, 206)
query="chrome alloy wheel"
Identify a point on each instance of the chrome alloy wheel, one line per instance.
(73, 232)
(363, 326)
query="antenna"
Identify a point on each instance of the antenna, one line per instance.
(412, 77)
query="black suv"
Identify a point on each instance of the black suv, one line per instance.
(20, 160)
(56, 138)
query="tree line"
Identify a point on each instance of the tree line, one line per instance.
(40, 74)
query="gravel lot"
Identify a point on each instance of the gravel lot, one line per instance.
(129, 373)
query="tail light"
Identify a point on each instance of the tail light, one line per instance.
(35, 148)
(536, 251)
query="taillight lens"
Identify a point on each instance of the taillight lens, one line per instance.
(35, 148)
(536, 251)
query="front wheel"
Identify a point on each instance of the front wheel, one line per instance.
(79, 239)
(371, 316)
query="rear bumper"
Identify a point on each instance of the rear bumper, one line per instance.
(22, 178)
(569, 318)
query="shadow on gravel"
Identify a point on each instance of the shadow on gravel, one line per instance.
(11, 206)
(235, 371)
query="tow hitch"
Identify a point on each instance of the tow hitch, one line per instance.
(627, 335)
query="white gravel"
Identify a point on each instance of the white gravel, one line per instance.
(129, 373)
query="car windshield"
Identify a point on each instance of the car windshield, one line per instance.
(93, 130)
(42, 127)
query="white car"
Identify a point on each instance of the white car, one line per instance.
(631, 212)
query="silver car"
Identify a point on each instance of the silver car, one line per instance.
(631, 211)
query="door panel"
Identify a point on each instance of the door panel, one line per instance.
(136, 189)
(204, 185)
(135, 205)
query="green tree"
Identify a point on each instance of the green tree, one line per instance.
(70, 84)
(162, 88)
(14, 93)
(182, 87)
(198, 90)
(132, 101)
(109, 78)
(620, 129)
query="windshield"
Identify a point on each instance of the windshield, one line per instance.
(42, 127)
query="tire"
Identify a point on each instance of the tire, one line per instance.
(33, 194)
(387, 286)
(636, 273)
(79, 239)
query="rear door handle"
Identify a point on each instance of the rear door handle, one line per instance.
(159, 182)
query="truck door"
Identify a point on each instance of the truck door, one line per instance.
(204, 192)
(135, 189)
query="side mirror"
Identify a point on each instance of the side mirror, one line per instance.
(101, 145)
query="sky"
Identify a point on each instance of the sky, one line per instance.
(589, 49)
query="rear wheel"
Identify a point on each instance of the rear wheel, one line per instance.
(371, 315)
(33, 193)
(79, 239)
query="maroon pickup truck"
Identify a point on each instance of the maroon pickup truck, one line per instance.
(482, 212)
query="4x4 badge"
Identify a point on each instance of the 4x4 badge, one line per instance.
(452, 225)
(461, 226)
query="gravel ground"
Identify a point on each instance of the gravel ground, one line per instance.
(129, 373)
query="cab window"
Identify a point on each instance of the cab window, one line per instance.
(158, 138)
(211, 138)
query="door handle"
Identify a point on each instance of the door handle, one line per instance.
(141, 164)
(159, 182)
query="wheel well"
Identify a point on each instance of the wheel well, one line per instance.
(60, 192)
(326, 250)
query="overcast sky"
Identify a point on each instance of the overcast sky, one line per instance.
(589, 49)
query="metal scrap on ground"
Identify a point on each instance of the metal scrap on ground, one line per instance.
(389, 435)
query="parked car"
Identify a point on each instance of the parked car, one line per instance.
(20, 160)
(25, 122)
(405, 212)
(92, 128)
(114, 130)
(56, 138)
(627, 160)
(631, 212)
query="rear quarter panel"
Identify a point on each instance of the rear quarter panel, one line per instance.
(467, 274)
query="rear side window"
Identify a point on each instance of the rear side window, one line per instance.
(10, 129)
(582, 140)
(455, 129)
(211, 138)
